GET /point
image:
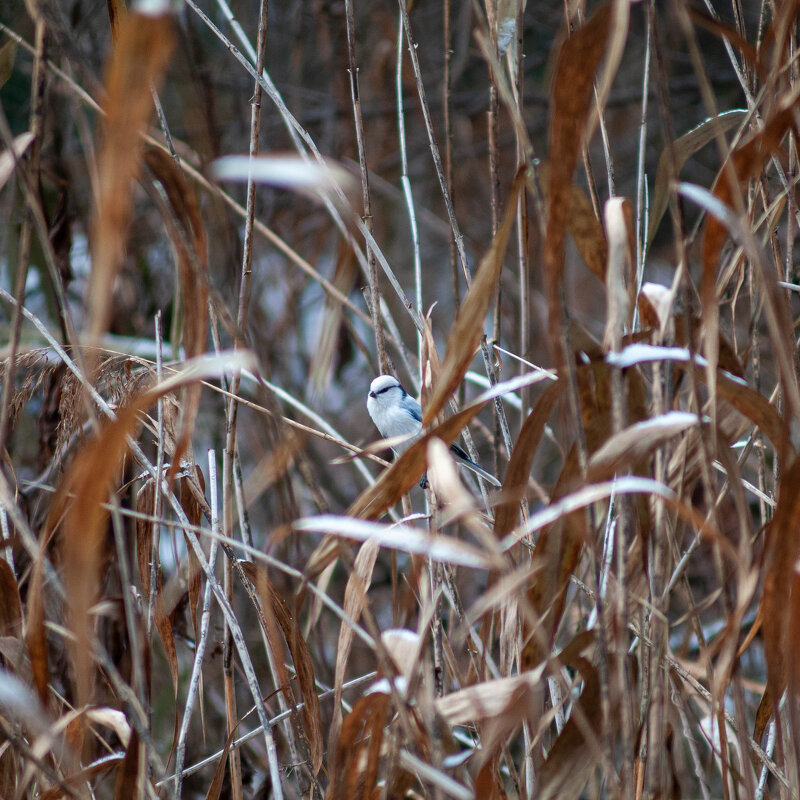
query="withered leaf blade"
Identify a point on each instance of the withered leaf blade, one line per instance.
(573, 86)
(519, 466)
(10, 605)
(138, 64)
(571, 760)
(782, 552)
(355, 598)
(684, 147)
(465, 335)
(301, 657)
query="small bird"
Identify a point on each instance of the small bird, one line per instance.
(396, 413)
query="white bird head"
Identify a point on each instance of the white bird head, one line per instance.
(394, 412)
(385, 391)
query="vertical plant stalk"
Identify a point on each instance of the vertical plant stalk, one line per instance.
(233, 406)
(406, 183)
(448, 144)
(374, 288)
(194, 681)
(36, 125)
(457, 235)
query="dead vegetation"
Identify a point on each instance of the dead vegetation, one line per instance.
(570, 228)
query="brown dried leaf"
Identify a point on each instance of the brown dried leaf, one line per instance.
(35, 638)
(138, 64)
(485, 700)
(628, 447)
(355, 598)
(126, 785)
(515, 482)
(571, 759)
(572, 92)
(358, 750)
(467, 330)
(584, 226)
(10, 605)
(684, 147)
(780, 557)
(620, 277)
(188, 236)
(301, 657)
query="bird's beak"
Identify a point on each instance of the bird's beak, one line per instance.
(372, 394)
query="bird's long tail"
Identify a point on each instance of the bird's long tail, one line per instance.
(470, 464)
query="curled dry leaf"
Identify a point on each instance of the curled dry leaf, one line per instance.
(405, 648)
(487, 699)
(655, 306)
(620, 277)
(631, 445)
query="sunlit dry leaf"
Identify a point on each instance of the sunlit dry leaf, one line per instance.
(398, 537)
(655, 306)
(405, 648)
(445, 481)
(632, 444)
(111, 718)
(313, 178)
(573, 87)
(137, 65)
(620, 277)
(9, 158)
(485, 700)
